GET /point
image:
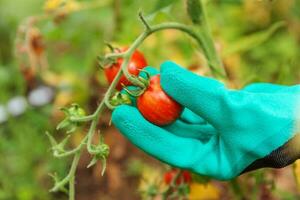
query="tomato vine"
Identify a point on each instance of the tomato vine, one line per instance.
(200, 33)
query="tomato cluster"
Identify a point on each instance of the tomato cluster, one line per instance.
(185, 177)
(154, 104)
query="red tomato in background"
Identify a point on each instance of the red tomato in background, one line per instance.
(156, 106)
(136, 63)
(185, 177)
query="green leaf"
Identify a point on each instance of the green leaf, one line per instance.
(161, 4)
(63, 124)
(103, 166)
(60, 147)
(194, 10)
(162, 7)
(93, 161)
(56, 180)
(72, 128)
(51, 139)
(250, 41)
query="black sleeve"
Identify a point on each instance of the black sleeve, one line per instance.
(279, 158)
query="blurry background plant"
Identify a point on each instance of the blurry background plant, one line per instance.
(259, 40)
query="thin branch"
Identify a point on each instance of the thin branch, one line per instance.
(145, 23)
(71, 173)
(82, 119)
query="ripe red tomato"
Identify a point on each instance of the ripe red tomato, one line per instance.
(136, 63)
(185, 177)
(156, 106)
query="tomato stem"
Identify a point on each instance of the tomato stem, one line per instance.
(204, 31)
(143, 20)
(82, 119)
(59, 185)
(201, 38)
(109, 105)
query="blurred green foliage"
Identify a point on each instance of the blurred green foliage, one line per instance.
(73, 45)
(25, 161)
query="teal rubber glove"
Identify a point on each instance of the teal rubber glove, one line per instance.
(221, 133)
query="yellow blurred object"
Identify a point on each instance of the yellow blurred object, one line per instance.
(258, 12)
(283, 7)
(55, 80)
(297, 173)
(65, 83)
(78, 135)
(149, 176)
(65, 6)
(63, 99)
(51, 5)
(72, 6)
(151, 181)
(203, 192)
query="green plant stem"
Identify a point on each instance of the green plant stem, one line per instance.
(71, 173)
(208, 46)
(77, 151)
(102, 106)
(150, 30)
(82, 119)
(93, 126)
(72, 188)
(73, 151)
(114, 55)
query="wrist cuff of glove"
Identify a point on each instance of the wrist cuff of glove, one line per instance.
(279, 158)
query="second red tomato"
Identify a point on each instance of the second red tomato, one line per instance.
(136, 63)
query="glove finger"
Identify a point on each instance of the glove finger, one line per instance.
(190, 117)
(156, 141)
(204, 96)
(201, 132)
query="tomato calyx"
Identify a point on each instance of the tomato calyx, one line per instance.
(140, 90)
(105, 63)
(145, 81)
(124, 97)
(112, 48)
(74, 111)
(58, 148)
(120, 98)
(112, 65)
(99, 152)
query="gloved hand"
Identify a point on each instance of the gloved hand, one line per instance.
(221, 133)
